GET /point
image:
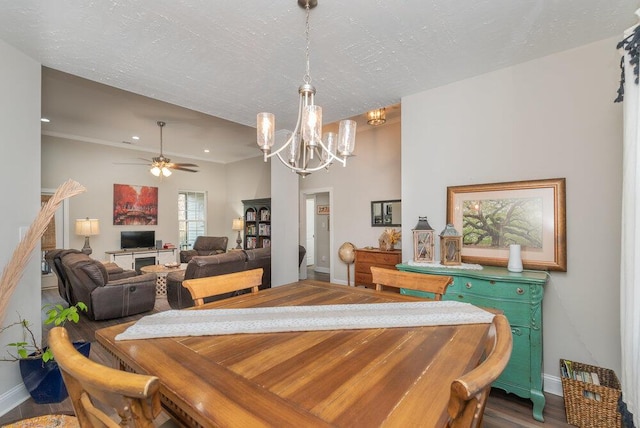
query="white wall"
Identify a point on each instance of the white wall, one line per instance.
(552, 117)
(247, 179)
(372, 174)
(96, 167)
(20, 201)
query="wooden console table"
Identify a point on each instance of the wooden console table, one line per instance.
(519, 296)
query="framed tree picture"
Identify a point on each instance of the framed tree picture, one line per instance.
(493, 216)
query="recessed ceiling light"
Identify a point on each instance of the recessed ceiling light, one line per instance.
(44, 119)
(206, 150)
(135, 137)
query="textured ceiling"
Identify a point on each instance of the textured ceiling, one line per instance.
(231, 59)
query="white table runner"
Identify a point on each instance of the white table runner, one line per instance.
(207, 322)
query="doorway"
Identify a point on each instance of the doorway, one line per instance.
(316, 232)
(56, 236)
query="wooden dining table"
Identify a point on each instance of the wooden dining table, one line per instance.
(336, 378)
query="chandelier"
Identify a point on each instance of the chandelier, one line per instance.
(306, 149)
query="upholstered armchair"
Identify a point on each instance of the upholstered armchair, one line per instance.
(54, 259)
(106, 298)
(205, 246)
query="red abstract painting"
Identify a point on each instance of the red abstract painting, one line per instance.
(135, 205)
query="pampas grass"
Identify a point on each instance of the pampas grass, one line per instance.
(15, 267)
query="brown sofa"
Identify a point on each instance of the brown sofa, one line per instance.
(205, 246)
(233, 261)
(106, 296)
(54, 260)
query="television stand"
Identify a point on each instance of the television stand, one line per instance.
(126, 259)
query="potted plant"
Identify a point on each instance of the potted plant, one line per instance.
(40, 372)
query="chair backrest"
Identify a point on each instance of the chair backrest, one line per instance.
(211, 243)
(220, 284)
(435, 284)
(135, 398)
(469, 393)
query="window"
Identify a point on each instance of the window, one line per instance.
(191, 217)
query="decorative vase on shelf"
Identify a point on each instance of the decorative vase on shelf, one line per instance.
(515, 259)
(385, 245)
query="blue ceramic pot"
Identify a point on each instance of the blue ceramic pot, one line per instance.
(44, 380)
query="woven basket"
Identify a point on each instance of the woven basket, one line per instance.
(587, 412)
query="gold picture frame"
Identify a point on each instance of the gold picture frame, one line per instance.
(492, 216)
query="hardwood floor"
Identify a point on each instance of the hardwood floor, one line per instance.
(503, 410)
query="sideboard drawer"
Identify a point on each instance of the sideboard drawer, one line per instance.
(517, 313)
(365, 258)
(378, 259)
(491, 288)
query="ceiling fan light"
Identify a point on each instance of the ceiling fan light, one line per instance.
(155, 170)
(166, 171)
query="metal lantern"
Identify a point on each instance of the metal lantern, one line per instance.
(450, 246)
(423, 241)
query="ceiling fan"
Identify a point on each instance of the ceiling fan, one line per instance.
(161, 165)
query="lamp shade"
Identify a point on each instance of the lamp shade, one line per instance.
(238, 224)
(87, 226)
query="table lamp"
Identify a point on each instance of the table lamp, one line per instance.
(87, 227)
(238, 224)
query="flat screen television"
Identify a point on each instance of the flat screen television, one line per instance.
(137, 239)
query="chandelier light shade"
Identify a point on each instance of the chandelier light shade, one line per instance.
(87, 227)
(377, 116)
(306, 149)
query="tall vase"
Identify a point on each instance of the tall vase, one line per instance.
(515, 259)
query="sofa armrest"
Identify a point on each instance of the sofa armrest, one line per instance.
(186, 255)
(124, 274)
(112, 268)
(133, 280)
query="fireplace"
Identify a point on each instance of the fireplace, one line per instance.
(144, 261)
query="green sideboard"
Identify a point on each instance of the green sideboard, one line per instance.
(519, 296)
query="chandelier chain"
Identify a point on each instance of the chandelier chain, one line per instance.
(307, 76)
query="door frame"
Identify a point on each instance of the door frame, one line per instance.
(303, 224)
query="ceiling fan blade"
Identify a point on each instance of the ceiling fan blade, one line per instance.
(185, 164)
(180, 168)
(130, 163)
(173, 165)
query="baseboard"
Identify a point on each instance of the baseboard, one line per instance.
(552, 384)
(13, 398)
(321, 269)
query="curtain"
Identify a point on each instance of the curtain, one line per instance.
(630, 243)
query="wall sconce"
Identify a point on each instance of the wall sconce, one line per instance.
(87, 227)
(238, 224)
(423, 241)
(376, 117)
(450, 246)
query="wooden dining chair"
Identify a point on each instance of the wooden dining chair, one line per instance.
(93, 387)
(469, 392)
(435, 284)
(220, 284)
